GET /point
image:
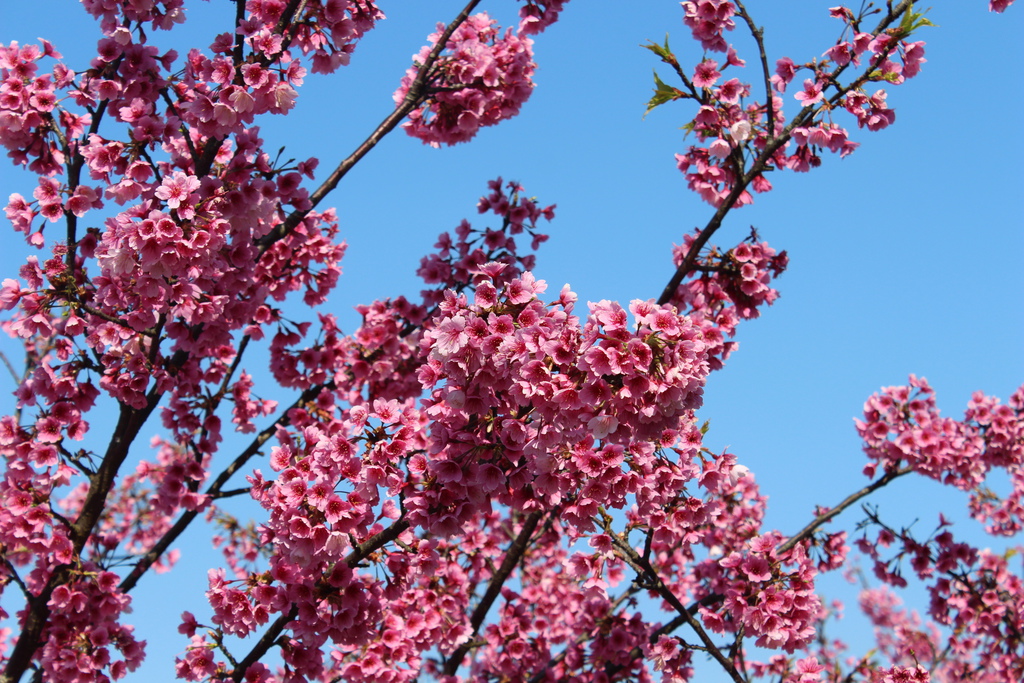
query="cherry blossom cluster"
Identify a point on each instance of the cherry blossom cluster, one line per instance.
(902, 427)
(86, 636)
(476, 485)
(537, 15)
(522, 381)
(482, 78)
(780, 667)
(374, 362)
(457, 262)
(179, 228)
(743, 582)
(220, 94)
(708, 20)
(27, 102)
(325, 499)
(327, 495)
(724, 515)
(974, 595)
(328, 30)
(29, 530)
(381, 358)
(742, 138)
(727, 288)
(777, 606)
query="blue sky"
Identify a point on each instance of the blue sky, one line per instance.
(904, 257)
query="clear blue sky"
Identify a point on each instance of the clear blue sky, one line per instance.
(905, 257)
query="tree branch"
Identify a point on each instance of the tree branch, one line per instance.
(688, 615)
(758, 34)
(761, 163)
(512, 557)
(413, 98)
(833, 512)
(653, 581)
(270, 636)
(171, 535)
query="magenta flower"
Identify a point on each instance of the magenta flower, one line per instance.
(811, 93)
(785, 69)
(179, 193)
(487, 76)
(841, 53)
(706, 74)
(913, 58)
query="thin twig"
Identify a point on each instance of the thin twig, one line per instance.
(10, 367)
(758, 33)
(806, 532)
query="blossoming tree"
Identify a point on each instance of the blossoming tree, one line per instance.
(484, 481)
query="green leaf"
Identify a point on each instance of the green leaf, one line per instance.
(912, 21)
(662, 51)
(663, 93)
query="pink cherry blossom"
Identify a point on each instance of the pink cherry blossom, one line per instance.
(484, 78)
(706, 74)
(480, 481)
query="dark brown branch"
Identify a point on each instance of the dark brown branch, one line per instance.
(808, 530)
(205, 161)
(230, 493)
(171, 535)
(238, 54)
(762, 162)
(513, 556)
(271, 635)
(296, 7)
(413, 98)
(111, 319)
(12, 572)
(758, 34)
(375, 543)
